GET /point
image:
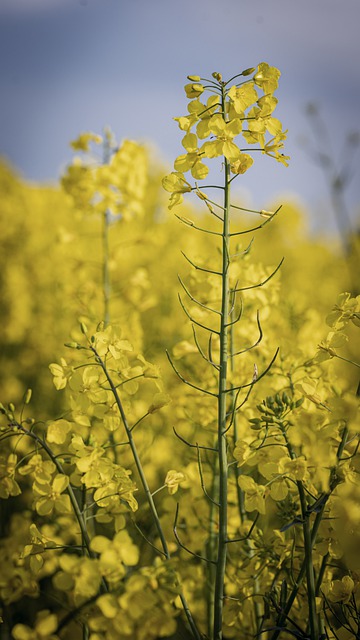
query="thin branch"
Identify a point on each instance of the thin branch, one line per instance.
(192, 553)
(229, 324)
(203, 355)
(210, 348)
(245, 251)
(159, 551)
(253, 382)
(73, 613)
(199, 324)
(138, 421)
(201, 304)
(248, 534)
(260, 226)
(190, 384)
(198, 268)
(235, 408)
(202, 478)
(255, 343)
(189, 444)
(261, 284)
(189, 223)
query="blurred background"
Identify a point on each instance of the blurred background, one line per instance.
(72, 65)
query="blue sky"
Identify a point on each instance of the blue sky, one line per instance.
(72, 65)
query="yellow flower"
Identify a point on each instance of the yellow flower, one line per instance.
(267, 77)
(82, 142)
(193, 90)
(81, 574)
(115, 554)
(296, 468)
(41, 469)
(243, 97)
(341, 590)
(58, 431)
(173, 479)
(176, 184)
(224, 132)
(51, 496)
(8, 484)
(159, 400)
(254, 494)
(45, 625)
(242, 164)
(61, 373)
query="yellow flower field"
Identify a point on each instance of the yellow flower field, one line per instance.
(180, 392)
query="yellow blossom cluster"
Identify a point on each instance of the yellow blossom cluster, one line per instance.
(230, 110)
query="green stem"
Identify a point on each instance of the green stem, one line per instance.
(314, 531)
(239, 492)
(308, 546)
(222, 408)
(356, 364)
(145, 485)
(211, 551)
(310, 577)
(135, 454)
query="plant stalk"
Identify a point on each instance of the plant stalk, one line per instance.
(145, 486)
(239, 491)
(222, 410)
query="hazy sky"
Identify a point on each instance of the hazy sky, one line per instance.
(71, 65)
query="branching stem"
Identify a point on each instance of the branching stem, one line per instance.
(144, 483)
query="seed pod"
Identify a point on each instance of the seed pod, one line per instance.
(255, 424)
(283, 594)
(83, 328)
(71, 345)
(256, 427)
(285, 398)
(262, 408)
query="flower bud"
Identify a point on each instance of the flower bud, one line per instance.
(248, 72)
(83, 328)
(193, 90)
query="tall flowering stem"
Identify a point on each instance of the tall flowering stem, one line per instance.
(223, 383)
(219, 121)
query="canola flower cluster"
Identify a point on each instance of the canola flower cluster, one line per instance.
(222, 121)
